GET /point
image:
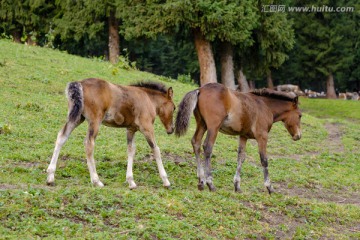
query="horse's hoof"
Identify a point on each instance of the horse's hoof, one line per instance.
(50, 181)
(166, 183)
(50, 184)
(238, 190)
(237, 187)
(270, 189)
(201, 187)
(212, 188)
(98, 184)
(132, 186)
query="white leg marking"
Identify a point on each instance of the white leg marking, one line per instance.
(91, 163)
(130, 161)
(62, 137)
(160, 165)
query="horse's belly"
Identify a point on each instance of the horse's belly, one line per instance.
(228, 130)
(233, 126)
(230, 126)
(114, 120)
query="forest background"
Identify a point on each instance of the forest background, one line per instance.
(313, 44)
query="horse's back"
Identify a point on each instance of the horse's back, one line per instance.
(116, 105)
(236, 113)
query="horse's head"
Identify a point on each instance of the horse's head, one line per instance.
(291, 120)
(166, 111)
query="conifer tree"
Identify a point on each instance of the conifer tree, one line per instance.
(325, 42)
(30, 18)
(230, 21)
(273, 39)
(92, 20)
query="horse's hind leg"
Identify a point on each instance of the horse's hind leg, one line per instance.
(196, 143)
(89, 148)
(150, 138)
(208, 147)
(62, 137)
(240, 160)
(131, 153)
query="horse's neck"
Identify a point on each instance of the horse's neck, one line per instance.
(156, 99)
(277, 107)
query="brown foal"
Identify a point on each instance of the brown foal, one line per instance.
(132, 107)
(249, 115)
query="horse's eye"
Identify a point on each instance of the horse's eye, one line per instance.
(300, 116)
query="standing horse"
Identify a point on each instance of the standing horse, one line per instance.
(249, 115)
(132, 107)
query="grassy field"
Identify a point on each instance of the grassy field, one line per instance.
(316, 179)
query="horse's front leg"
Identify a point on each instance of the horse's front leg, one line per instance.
(89, 149)
(150, 138)
(131, 153)
(240, 160)
(262, 142)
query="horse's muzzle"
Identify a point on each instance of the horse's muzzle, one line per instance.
(170, 131)
(296, 137)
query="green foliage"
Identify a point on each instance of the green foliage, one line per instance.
(317, 195)
(30, 18)
(227, 21)
(326, 43)
(272, 39)
(81, 26)
(185, 78)
(167, 55)
(122, 63)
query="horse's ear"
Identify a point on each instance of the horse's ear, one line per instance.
(296, 101)
(170, 93)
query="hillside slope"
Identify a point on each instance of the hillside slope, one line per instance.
(316, 179)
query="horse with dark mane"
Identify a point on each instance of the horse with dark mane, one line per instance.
(132, 107)
(249, 115)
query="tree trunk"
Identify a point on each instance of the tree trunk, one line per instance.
(114, 38)
(16, 34)
(29, 40)
(206, 58)
(330, 88)
(269, 80)
(227, 65)
(243, 84)
(252, 84)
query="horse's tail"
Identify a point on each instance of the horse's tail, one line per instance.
(186, 107)
(74, 93)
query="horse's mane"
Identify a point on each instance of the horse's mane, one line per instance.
(265, 92)
(151, 85)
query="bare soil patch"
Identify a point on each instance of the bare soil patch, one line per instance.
(5, 186)
(283, 226)
(334, 138)
(319, 193)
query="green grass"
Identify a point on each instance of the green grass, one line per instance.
(317, 183)
(333, 108)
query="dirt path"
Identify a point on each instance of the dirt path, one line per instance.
(334, 138)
